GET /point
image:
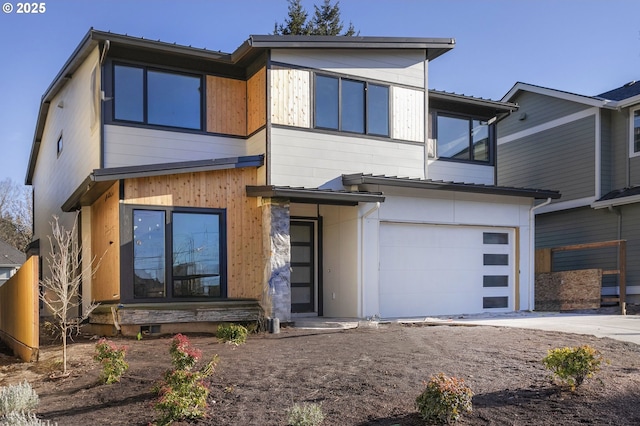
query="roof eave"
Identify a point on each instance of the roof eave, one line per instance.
(306, 195)
(586, 100)
(615, 202)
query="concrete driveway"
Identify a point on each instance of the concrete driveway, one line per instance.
(619, 327)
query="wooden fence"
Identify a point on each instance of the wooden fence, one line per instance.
(19, 315)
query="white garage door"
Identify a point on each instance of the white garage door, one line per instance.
(440, 270)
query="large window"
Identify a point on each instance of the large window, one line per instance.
(351, 106)
(177, 254)
(463, 138)
(157, 97)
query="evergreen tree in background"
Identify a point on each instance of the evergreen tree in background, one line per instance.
(326, 21)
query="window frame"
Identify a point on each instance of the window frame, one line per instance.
(145, 96)
(59, 145)
(491, 135)
(339, 107)
(632, 128)
(127, 250)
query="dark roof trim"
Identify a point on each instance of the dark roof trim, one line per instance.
(367, 179)
(618, 197)
(434, 46)
(315, 195)
(498, 106)
(101, 179)
(116, 173)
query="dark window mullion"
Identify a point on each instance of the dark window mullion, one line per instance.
(145, 96)
(168, 249)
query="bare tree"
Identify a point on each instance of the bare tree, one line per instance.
(16, 214)
(62, 287)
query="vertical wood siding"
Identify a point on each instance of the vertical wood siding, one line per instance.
(408, 114)
(226, 106)
(290, 97)
(19, 316)
(224, 189)
(105, 244)
(257, 101)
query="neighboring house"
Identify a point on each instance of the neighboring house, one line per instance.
(587, 147)
(11, 259)
(313, 175)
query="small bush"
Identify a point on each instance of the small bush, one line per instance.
(20, 398)
(235, 334)
(444, 400)
(573, 365)
(305, 415)
(183, 393)
(23, 419)
(111, 357)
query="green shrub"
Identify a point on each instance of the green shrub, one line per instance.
(183, 393)
(111, 357)
(19, 398)
(235, 334)
(573, 365)
(305, 415)
(444, 400)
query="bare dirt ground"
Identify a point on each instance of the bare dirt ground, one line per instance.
(365, 376)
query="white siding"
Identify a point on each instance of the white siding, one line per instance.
(341, 260)
(408, 114)
(290, 97)
(72, 114)
(133, 146)
(405, 67)
(450, 171)
(313, 159)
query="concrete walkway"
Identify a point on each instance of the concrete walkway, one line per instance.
(615, 326)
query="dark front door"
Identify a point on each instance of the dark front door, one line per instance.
(302, 266)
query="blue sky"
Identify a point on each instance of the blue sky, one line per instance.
(581, 46)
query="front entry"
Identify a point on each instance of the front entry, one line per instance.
(303, 271)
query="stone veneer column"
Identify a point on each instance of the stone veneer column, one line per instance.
(277, 292)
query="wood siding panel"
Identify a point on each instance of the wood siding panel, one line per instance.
(105, 243)
(226, 106)
(19, 316)
(224, 189)
(257, 101)
(562, 158)
(290, 97)
(133, 146)
(404, 67)
(313, 159)
(408, 114)
(539, 109)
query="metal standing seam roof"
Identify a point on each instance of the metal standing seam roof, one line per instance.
(405, 182)
(315, 195)
(251, 48)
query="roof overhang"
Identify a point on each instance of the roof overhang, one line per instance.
(620, 197)
(568, 96)
(102, 179)
(315, 195)
(367, 179)
(470, 105)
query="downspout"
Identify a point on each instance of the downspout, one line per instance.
(532, 252)
(362, 286)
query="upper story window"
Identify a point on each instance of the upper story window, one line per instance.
(162, 98)
(463, 138)
(351, 106)
(59, 146)
(635, 130)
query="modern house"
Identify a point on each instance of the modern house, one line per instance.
(588, 147)
(302, 175)
(10, 261)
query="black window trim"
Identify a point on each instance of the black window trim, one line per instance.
(490, 127)
(367, 83)
(145, 123)
(126, 250)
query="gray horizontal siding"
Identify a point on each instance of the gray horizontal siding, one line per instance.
(579, 226)
(619, 148)
(631, 233)
(539, 109)
(561, 158)
(606, 152)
